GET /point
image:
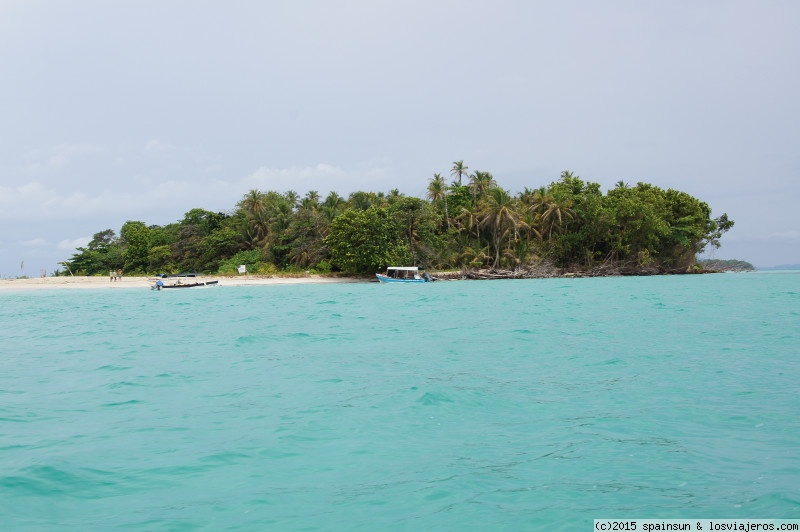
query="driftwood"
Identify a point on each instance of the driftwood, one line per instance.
(547, 271)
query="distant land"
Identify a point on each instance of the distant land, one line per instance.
(780, 267)
(730, 265)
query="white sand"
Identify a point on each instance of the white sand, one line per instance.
(68, 282)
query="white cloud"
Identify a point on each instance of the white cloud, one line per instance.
(322, 177)
(35, 201)
(79, 242)
(59, 157)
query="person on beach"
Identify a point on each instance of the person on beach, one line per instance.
(110, 276)
(119, 274)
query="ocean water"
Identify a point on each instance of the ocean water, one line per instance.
(472, 405)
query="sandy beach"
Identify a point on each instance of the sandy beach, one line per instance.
(81, 282)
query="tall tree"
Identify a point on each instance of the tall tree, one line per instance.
(499, 216)
(437, 191)
(365, 241)
(415, 220)
(459, 170)
(136, 244)
(480, 182)
(333, 206)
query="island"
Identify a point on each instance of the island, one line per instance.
(470, 226)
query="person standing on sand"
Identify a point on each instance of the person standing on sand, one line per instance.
(110, 275)
(119, 274)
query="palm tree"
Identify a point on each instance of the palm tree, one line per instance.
(468, 221)
(558, 210)
(313, 196)
(254, 202)
(255, 226)
(480, 182)
(459, 169)
(437, 190)
(332, 206)
(499, 215)
(362, 201)
(292, 197)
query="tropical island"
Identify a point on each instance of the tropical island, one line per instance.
(470, 226)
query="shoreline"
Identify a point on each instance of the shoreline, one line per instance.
(100, 283)
(142, 282)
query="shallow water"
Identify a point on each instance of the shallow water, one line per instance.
(504, 405)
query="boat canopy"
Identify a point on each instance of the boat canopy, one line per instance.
(404, 268)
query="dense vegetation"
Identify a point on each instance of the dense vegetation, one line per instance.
(732, 265)
(471, 222)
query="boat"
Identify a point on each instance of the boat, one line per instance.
(180, 280)
(403, 274)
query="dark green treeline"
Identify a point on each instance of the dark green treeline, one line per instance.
(471, 222)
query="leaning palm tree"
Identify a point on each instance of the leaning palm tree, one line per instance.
(499, 215)
(459, 169)
(437, 191)
(558, 210)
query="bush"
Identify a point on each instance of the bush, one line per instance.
(252, 258)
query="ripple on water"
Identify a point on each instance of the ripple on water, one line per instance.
(521, 404)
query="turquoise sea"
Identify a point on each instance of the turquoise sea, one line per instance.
(468, 405)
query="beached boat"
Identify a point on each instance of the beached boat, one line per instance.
(180, 280)
(403, 274)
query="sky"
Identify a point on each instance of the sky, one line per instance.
(143, 110)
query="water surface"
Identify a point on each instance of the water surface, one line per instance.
(504, 405)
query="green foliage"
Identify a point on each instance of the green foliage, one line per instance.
(366, 241)
(159, 259)
(207, 221)
(136, 245)
(733, 265)
(252, 258)
(323, 267)
(416, 222)
(474, 223)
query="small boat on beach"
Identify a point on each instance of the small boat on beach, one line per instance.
(403, 274)
(180, 280)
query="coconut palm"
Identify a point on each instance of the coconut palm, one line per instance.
(498, 215)
(459, 169)
(480, 182)
(255, 224)
(313, 196)
(558, 210)
(333, 206)
(254, 202)
(293, 198)
(468, 221)
(437, 191)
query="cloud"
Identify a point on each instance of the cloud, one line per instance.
(59, 156)
(80, 242)
(35, 201)
(323, 177)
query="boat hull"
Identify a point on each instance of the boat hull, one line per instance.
(185, 285)
(191, 285)
(385, 279)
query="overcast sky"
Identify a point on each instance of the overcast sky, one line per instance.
(143, 110)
